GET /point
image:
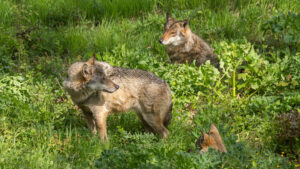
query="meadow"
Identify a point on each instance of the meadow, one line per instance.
(257, 110)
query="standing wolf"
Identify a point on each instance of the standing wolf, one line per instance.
(183, 46)
(99, 89)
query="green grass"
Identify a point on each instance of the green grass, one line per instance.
(41, 128)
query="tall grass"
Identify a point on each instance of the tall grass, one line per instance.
(63, 12)
(7, 15)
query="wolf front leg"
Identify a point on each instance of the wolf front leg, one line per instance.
(88, 115)
(100, 114)
(90, 121)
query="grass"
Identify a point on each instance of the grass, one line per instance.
(41, 128)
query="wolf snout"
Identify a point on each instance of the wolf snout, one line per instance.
(160, 40)
(111, 90)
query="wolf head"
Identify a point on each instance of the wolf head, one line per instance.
(175, 32)
(211, 140)
(95, 77)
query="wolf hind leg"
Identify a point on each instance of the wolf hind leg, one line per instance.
(157, 125)
(168, 116)
(147, 127)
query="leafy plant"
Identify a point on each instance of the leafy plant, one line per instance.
(284, 27)
(288, 133)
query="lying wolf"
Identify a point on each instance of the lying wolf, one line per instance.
(212, 140)
(184, 46)
(99, 89)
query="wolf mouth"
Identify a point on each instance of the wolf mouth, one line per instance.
(111, 91)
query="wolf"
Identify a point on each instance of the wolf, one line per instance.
(99, 89)
(212, 140)
(182, 45)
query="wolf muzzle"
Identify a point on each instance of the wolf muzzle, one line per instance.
(111, 91)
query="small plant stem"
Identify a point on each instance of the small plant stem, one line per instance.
(233, 83)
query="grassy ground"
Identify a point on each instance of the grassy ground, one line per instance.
(41, 128)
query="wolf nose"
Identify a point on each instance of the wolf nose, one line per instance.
(160, 40)
(117, 86)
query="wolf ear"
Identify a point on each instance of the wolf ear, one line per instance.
(169, 17)
(185, 23)
(170, 20)
(85, 71)
(213, 130)
(107, 68)
(205, 136)
(91, 61)
(217, 138)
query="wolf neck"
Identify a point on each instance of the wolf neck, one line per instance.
(80, 93)
(189, 41)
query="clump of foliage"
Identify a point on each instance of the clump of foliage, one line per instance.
(135, 151)
(287, 126)
(284, 29)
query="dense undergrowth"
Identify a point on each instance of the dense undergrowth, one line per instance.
(256, 112)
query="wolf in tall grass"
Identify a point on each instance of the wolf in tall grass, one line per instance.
(183, 45)
(212, 140)
(100, 89)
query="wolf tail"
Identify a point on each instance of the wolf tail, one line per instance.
(168, 116)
